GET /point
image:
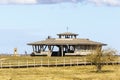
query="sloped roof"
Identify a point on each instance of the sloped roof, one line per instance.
(64, 41)
(67, 33)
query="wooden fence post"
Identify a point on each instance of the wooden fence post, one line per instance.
(9, 64)
(18, 64)
(34, 63)
(48, 62)
(1, 64)
(27, 63)
(70, 62)
(64, 62)
(77, 61)
(84, 61)
(91, 62)
(56, 63)
(41, 63)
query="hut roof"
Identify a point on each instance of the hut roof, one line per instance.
(64, 41)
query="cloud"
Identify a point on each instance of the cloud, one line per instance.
(57, 1)
(106, 2)
(96, 2)
(18, 1)
(37, 1)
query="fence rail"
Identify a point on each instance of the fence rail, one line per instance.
(49, 63)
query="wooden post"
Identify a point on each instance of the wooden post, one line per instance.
(56, 62)
(34, 63)
(64, 62)
(113, 63)
(70, 62)
(84, 61)
(18, 64)
(9, 64)
(41, 62)
(106, 62)
(1, 64)
(77, 61)
(91, 63)
(27, 63)
(48, 62)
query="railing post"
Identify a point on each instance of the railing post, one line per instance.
(27, 63)
(1, 64)
(9, 64)
(48, 62)
(34, 63)
(116, 63)
(107, 63)
(41, 62)
(77, 61)
(70, 62)
(112, 63)
(64, 62)
(18, 64)
(84, 61)
(56, 63)
(91, 62)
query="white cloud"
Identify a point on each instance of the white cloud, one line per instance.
(106, 2)
(18, 1)
(57, 1)
(36, 1)
(97, 2)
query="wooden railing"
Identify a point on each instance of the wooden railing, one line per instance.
(49, 63)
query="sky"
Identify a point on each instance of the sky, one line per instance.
(24, 21)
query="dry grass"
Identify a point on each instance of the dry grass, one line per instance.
(61, 73)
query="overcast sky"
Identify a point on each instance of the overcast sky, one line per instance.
(24, 21)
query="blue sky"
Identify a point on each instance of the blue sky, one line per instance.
(20, 24)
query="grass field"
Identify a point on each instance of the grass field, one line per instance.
(61, 73)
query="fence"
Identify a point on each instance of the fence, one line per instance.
(48, 63)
